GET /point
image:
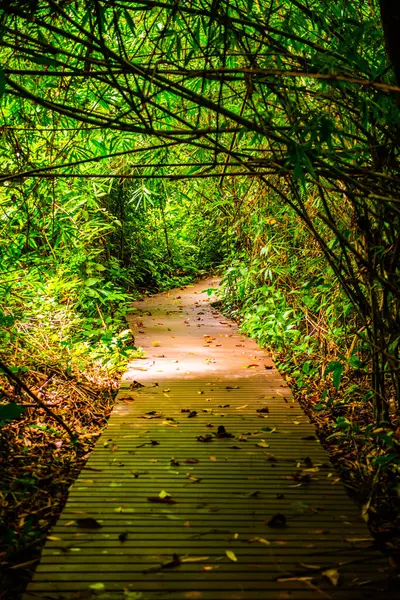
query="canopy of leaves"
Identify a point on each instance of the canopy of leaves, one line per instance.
(297, 96)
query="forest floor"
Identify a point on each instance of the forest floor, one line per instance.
(39, 463)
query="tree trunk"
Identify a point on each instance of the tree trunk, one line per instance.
(390, 12)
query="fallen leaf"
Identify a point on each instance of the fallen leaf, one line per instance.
(268, 429)
(277, 521)
(135, 384)
(222, 433)
(171, 564)
(123, 509)
(262, 444)
(97, 587)
(192, 461)
(169, 424)
(166, 500)
(202, 438)
(213, 458)
(231, 555)
(88, 523)
(259, 540)
(332, 575)
(312, 567)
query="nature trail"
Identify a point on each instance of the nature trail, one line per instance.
(209, 481)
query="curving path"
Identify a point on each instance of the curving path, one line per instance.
(209, 482)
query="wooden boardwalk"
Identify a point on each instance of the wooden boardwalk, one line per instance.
(209, 482)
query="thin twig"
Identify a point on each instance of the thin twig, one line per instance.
(14, 378)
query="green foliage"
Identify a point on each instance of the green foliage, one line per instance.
(10, 411)
(268, 116)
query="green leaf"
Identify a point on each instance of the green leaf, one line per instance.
(337, 376)
(92, 281)
(355, 362)
(129, 20)
(97, 587)
(44, 60)
(11, 411)
(336, 368)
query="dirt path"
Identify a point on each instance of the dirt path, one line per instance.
(209, 482)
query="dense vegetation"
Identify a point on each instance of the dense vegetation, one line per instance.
(146, 142)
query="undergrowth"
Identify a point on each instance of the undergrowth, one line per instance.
(309, 327)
